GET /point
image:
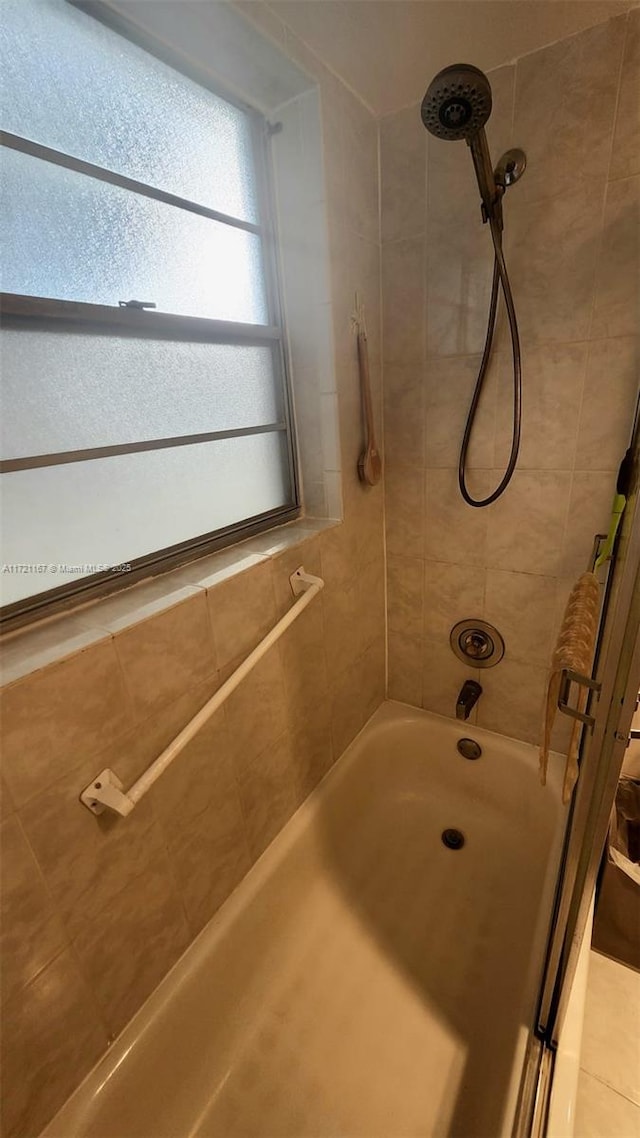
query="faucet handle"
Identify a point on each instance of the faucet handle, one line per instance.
(469, 695)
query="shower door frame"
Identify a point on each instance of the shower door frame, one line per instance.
(618, 671)
(590, 823)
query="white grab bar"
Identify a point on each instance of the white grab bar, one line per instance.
(105, 792)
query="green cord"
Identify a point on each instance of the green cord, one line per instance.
(617, 510)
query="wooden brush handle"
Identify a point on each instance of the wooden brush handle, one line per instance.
(369, 463)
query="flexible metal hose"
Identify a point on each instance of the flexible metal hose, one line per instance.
(500, 279)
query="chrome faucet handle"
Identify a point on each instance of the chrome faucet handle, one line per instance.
(469, 695)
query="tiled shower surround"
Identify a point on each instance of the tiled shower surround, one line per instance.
(95, 912)
(571, 241)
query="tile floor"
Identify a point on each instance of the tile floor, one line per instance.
(609, 1085)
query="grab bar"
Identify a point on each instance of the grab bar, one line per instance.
(106, 792)
(567, 676)
(598, 540)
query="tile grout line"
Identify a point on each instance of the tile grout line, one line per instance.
(609, 1086)
(616, 108)
(605, 196)
(385, 564)
(424, 386)
(532, 345)
(594, 294)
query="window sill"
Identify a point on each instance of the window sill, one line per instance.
(28, 650)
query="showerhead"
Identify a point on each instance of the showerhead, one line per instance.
(456, 106)
(457, 103)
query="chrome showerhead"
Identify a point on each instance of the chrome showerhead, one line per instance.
(457, 103)
(457, 106)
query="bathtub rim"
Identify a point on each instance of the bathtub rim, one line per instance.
(79, 1105)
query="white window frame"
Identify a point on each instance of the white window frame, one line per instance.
(37, 313)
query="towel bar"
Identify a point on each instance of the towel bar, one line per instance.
(105, 791)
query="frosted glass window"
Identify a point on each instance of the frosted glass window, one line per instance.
(70, 237)
(111, 510)
(75, 85)
(87, 108)
(71, 390)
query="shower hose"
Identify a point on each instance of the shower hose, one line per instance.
(500, 279)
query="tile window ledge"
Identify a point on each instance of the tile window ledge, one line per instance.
(50, 641)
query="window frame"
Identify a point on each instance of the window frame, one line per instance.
(39, 313)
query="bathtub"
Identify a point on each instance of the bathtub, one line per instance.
(364, 980)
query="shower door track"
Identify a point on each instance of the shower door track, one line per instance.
(588, 822)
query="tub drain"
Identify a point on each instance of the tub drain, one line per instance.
(453, 839)
(469, 749)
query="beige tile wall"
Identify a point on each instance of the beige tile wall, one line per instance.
(572, 237)
(84, 900)
(95, 911)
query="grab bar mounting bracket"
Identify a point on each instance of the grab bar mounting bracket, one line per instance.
(301, 581)
(105, 792)
(598, 540)
(566, 679)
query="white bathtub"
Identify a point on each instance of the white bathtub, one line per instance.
(364, 980)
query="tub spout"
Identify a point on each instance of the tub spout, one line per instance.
(470, 693)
